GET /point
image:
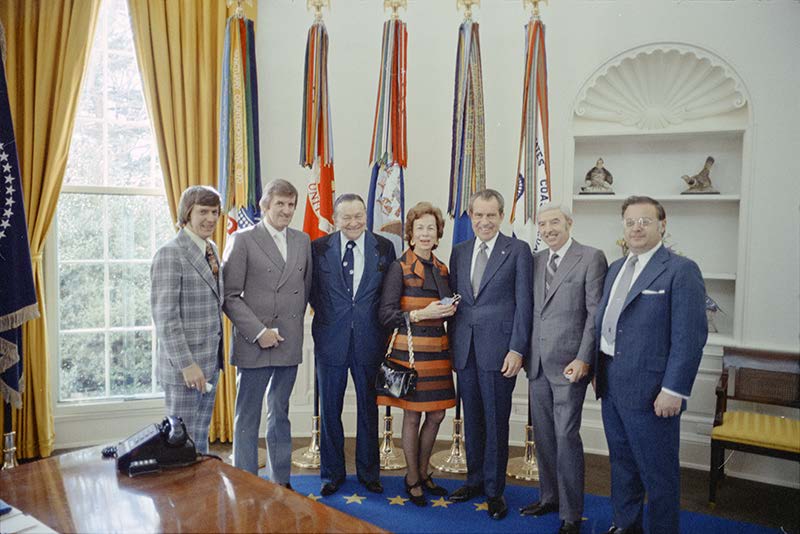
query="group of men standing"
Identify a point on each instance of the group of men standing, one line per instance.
(636, 328)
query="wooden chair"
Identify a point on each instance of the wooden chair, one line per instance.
(763, 377)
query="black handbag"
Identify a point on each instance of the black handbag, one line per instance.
(393, 379)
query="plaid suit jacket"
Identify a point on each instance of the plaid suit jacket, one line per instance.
(186, 304)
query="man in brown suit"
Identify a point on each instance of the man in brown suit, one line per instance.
(267, 283)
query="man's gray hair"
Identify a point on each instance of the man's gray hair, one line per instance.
(347, 197)
(550, 206)
(279, 187)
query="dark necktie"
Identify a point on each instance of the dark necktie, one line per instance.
(347, 266)
(550, 272)
(614, 307)
(211, 258)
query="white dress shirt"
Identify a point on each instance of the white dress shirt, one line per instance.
(279, 236)
(561, 252)
(644, 259)
(358, 258)
(199, 241)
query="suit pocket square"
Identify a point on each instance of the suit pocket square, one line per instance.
(652, 292)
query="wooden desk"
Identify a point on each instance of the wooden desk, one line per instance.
(82, 492)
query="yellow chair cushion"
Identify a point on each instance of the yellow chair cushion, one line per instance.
(759, 429)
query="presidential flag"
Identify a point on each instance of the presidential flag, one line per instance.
(17, 293)
(532, 184)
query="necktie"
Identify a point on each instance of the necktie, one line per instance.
(347, 266)
(211, 258)
(480, 266)
(614, 307)
(280, 242)
(550, 272)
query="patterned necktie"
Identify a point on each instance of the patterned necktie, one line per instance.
(480, 266)
(550, 272)
(347, 266)
(211, 258)
(614, 307)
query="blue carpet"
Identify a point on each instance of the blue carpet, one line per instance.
(391, 512)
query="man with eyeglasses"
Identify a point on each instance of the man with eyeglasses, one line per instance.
(651, 330)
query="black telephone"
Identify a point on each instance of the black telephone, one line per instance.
(155, 447)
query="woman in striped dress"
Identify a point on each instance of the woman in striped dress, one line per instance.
(412, 288)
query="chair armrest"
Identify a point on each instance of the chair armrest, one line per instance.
(722, 397)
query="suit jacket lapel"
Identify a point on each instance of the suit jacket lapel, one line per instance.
(333, 257)
(197, 259)
(499, 255)
(651, 271)
(465, 268)
(371, 254)
(568, 262)
(267, 244)
(291, 256)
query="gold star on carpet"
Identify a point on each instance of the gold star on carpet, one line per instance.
(354, 498)
(481, 506)
(441, 502)
(397, 500)
(314, 497)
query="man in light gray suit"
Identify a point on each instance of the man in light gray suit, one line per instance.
(267, 285)
(567, 286)
(186, 300)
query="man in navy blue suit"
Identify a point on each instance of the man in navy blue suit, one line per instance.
(489, 339)
(651, 330)
(348, 269)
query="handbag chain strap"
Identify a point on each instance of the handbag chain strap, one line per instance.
(410, 342)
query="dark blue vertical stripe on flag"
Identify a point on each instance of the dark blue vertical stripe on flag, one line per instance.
(17, 292)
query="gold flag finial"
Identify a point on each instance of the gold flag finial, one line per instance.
(239, 11)
(535, 5)
(317, 6)
(395, 6)
(467, 5)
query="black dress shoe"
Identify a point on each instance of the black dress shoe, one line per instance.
(497, 507)
(633, 529)
(419, 500)
(465, 493)
(374, 486)
(329, 488)
(432, 487)
(288, 486)
(539, 508)
(570, 527)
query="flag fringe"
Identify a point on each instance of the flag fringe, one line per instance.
(12, 396)
(22, 315)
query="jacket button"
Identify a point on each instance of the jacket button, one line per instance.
(296, 292)
(294, 316)
(275, 316)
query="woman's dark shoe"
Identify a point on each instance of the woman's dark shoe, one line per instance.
(432, 487)
(419, 500)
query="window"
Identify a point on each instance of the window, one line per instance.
(112, 216)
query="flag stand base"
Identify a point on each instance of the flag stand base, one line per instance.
(525, 467)
(308, 457)
(391, 457)
(9, 451)
(454, 460)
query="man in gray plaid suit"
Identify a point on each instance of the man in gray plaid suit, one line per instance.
(186, 300)
(267, 285)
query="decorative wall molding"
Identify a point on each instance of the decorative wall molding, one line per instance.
(653, 86)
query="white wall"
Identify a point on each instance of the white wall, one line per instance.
(757, 38)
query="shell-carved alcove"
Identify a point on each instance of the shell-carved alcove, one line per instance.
(654, 86)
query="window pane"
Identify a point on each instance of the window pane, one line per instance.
(119, 27)
(129, 150)
(81, 296)
(165, 227)
(131, 363)
(85, 160)
(80, 227)
(125, 97)
(82, 366)
(129, 236)
(129, 297)
(90, 103)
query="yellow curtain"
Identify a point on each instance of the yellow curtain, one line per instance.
(179, 49)
(48, 48)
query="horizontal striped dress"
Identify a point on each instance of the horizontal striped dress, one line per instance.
(411, 283)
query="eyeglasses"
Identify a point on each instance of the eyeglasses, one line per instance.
(644, 222)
